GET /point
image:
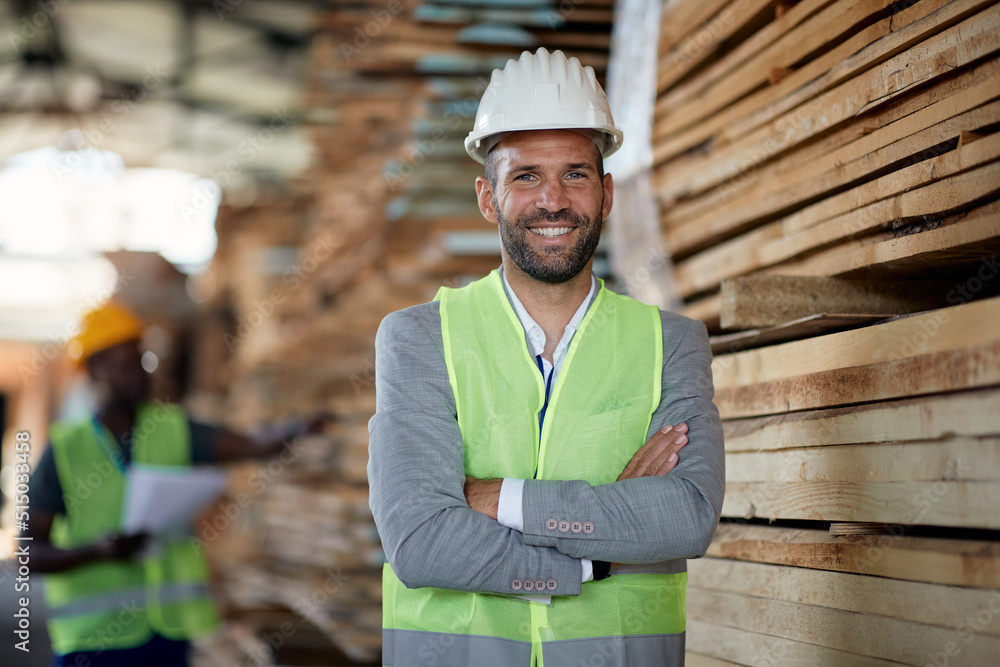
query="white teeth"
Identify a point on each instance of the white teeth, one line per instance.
(551, 232)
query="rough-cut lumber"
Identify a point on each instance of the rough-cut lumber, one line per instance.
(770, 300)
(866, 635)
(932, 604)
(701, 44)
(898, 556)
(868, 48)
(556, 15)
(679, 18)
(803, 327)
(941, 330)
(936, 57)
(956, 504)
(950, 370)
(785, 239)
(765, 650)
(951, 162)
(674, 97)
(820, 168)
(887, 38)
(955, 459)
(806, 29)
(448, 33)
(969, 243)
(974, 413)
(846, 147)
(962, 247)
(698, 660)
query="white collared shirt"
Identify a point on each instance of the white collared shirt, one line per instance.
(510, 511)
(536, 337)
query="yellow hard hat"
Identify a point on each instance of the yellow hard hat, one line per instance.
(104, 327)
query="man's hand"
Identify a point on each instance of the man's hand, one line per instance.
(659, 455)
(269, 441)
(121, 547)
(483, 495)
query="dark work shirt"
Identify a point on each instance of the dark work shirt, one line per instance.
(46, 491)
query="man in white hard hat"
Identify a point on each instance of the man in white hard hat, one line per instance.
(525, 471)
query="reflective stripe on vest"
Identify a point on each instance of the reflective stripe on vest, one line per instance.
(602, 404)
(632, 651)
(415, 647)
(129, 598)
(108, 604)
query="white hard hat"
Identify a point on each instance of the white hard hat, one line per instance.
(543, 91)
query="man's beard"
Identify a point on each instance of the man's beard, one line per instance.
(548, 266)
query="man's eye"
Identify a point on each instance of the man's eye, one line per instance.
(576, 174)
(523, 177)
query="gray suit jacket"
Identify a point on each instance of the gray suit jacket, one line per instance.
(416, 473)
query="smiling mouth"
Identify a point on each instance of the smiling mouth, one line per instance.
(550, 232)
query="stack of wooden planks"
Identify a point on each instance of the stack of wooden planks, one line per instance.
(385, 216)
(829, 173)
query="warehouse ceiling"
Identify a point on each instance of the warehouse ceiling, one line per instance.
(210, 87)
(132, 92)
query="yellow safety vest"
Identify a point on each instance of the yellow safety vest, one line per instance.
(598, 414)
(117, 604)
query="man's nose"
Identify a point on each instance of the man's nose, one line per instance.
(552, 196)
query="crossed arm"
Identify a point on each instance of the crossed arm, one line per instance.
(657, 457)
(433, 537)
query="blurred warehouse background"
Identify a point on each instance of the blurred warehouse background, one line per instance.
(263, 181)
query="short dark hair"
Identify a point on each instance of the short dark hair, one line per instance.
(491, 166)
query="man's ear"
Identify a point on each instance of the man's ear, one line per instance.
(487, 204)
(609, 196)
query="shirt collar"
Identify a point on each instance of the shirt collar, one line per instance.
(533, 332)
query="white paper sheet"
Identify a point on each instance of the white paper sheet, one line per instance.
(161, 497)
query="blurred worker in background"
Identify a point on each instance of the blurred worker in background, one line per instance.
(109, 602)
(525, 465)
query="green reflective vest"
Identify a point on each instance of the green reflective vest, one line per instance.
(598, 415)
(118, 604)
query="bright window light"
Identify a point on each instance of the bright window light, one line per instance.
(72, 204)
